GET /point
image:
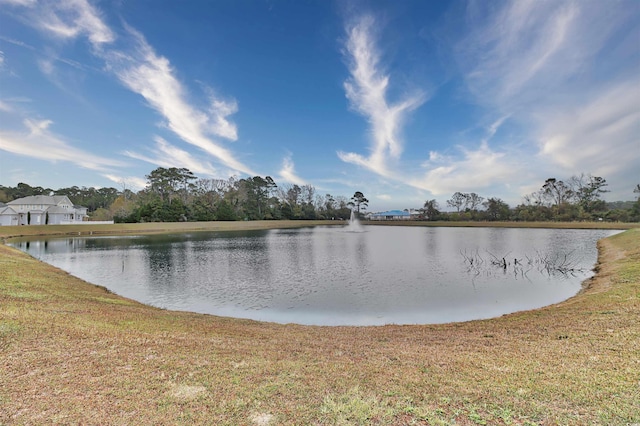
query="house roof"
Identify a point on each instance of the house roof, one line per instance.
(50, 200)
(45, 200)
(392, 213)
(7, 210)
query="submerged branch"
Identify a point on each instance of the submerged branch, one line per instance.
(559, 264)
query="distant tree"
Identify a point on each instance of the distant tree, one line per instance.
(254, 194)
(358, 201)
(431, 210)
(99, 214)
(122, 208)
(292, 195)
(587, 191)
(225, 211)
(635, 215)
(168, 183)
(328, 206)
(4, 197)
(457, 201)
(556, 191)
(473, 201)
(342, 207)
(496, 209)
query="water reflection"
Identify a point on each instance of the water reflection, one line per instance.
(328, 275)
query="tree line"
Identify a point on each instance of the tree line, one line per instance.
(176, 194)
(577, 199)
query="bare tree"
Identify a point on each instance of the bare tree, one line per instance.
(457, 201)
(556, 191)
(587, 191)
(473, 201)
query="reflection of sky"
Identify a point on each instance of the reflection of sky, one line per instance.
(327, 275)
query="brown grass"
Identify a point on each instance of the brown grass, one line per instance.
(73, 353)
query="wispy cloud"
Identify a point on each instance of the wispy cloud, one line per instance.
(166, 155)
(65, 19)
(513, 55)
(288, 173)
(37, 141)
(16, 42)
(70, 19)
(477, 168)
(367, 91)
(5, 107)
(151, 76)
(143, 71)
(19, 2)
(540, 65)
(603, 133)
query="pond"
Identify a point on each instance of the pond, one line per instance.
(335, 276)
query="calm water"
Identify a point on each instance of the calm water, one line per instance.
(333, 276)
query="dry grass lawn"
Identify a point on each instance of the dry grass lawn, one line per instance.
(74, 353)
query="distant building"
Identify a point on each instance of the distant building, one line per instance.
(391, 215)
(8, 216)
(41, 210)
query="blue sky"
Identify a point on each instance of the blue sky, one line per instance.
(405, 101)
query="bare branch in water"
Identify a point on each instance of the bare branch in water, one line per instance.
(560, 264)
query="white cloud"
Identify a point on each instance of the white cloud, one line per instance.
(366, 90)
(27, 3)
(46, 67)
(17, 42)
(547, 66)
(600, 136)
(477, 169)
(288, 173)
(493, 128)
(220, 110)
(526, 49)
(67, 19)
(39, 142)
(5, 107)
(167, 155)
(144, 72)
(152, 76)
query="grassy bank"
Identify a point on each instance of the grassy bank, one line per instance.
(71, 352)
(155, 227)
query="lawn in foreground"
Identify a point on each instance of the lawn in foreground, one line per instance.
(72, 352)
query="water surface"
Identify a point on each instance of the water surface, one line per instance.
(333, 276)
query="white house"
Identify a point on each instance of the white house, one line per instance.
(42, 210)
(8, 216)
(391, 215)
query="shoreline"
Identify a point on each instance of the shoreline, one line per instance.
(86, 230)
(7, 232)
(75, 353)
